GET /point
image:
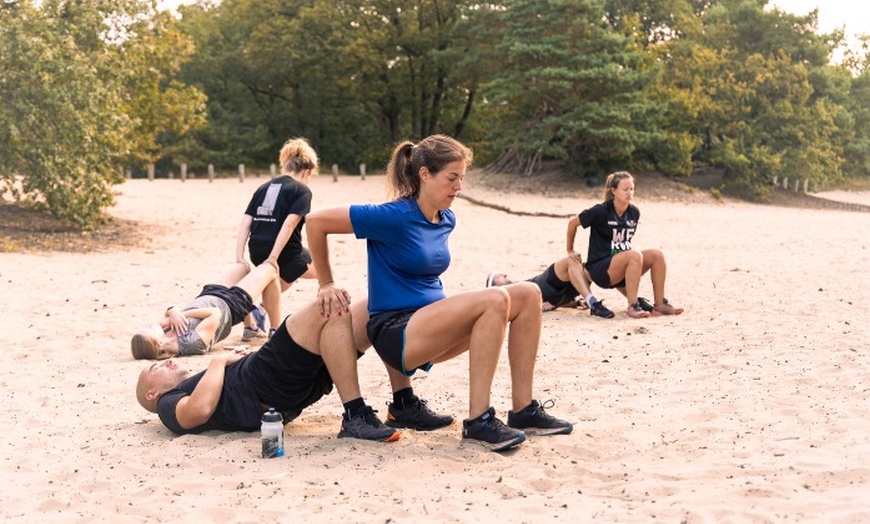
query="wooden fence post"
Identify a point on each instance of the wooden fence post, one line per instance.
(150, 172)
(274, 170)
(806, 184)
(241, 172)
(785, 182)
(335, 172)
(362, 171)
(183, 172)
(211, 172)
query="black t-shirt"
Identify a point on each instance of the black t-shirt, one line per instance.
(281, 374)
(610, 233)
(238, 409)
(270, 206)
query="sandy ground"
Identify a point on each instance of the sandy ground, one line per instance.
(753, 406)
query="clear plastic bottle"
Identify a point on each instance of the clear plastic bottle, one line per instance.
(272, 434)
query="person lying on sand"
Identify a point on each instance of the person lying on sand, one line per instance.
(195, 328)
(294, 369)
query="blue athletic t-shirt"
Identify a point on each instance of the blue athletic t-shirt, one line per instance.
(406, 253)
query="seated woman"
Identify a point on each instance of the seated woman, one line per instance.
(412, 323)
(611, 262)
(195, 328)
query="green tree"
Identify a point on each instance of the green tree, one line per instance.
(75, 104)
(162, 109)
(353, 76)
(774, 107)
(62, 138)
(569, 89)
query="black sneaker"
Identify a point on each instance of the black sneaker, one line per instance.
(491, 432)
(535, 421)
(598, 309)
(367, 426)
(645, 305)
(416, 416)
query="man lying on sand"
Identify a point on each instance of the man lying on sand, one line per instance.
(292, 371)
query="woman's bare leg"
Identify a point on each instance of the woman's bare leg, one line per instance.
(475, 321)
(524, 337)
(627, 265)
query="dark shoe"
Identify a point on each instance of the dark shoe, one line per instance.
(416, 416)
(535, 421)
(249, 334)
(645, 305)
(491, 432)
(598, 309)
(260, 316)
(367, 426)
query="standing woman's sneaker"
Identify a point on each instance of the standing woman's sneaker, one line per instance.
(260, 317)
(534, 420)
(491, 432)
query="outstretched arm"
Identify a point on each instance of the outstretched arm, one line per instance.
(195, 409)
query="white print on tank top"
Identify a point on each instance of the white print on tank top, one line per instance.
(268, 206)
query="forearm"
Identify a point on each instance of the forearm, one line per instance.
(244, 232)
(571, 235)
(202, 403)
(319, 248)
(318, 226)
(200, 312)
(284, 235)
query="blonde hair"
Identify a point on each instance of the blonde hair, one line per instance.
(433, 152)
(297, 155)
(612, 182)
(144, 347)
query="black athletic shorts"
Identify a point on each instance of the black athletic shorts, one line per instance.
(598, 272)
(387, 333)
(287, 376)
(554, 291)
(291, 266)
(236, 298)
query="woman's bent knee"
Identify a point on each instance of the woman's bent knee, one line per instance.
(497, 299)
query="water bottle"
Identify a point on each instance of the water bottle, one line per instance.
(272, 434)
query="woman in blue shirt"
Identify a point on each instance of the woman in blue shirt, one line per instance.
(413, 324)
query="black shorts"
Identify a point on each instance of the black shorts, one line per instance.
(287, 376)
(291, 266)
(554, 291)
(387, 333)
(598, 273)
(236, 298)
